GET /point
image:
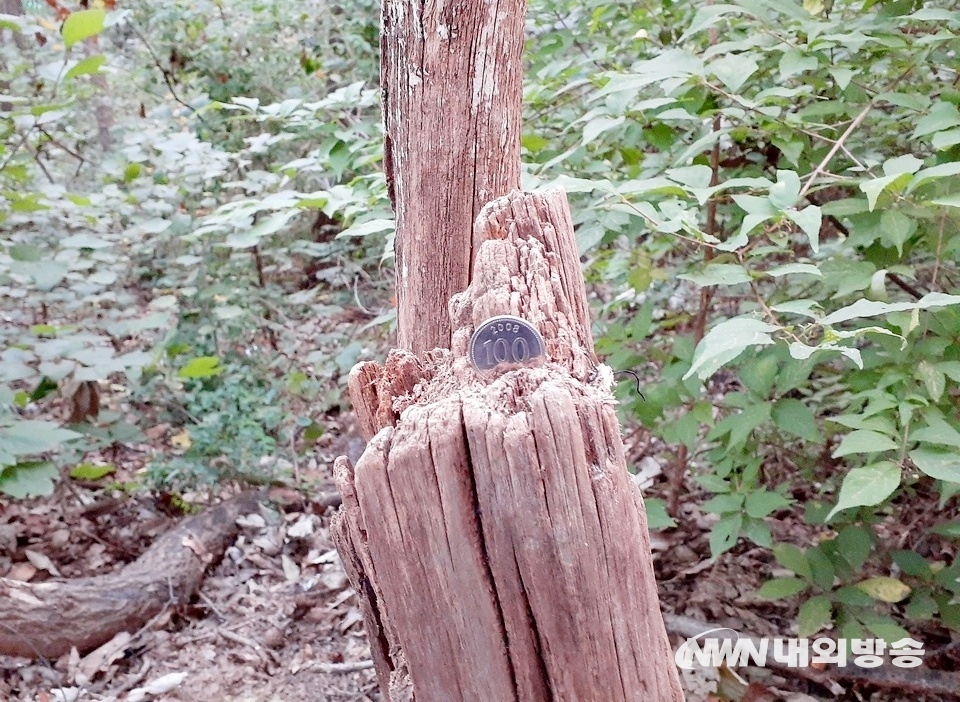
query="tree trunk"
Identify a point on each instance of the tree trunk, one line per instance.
(497, 541)
(452, 89)
(498, 546)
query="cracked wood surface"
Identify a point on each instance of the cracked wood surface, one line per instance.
(498, 544)
(452, 78)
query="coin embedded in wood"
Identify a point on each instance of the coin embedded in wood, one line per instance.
(505, 339)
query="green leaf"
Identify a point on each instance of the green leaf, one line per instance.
(785, 191)
(815, 614)
(82, 24)
(943, 170)
(873, 188)
(854, 544)
(90, 471)
(942, 116)
(724, 534)
(809, 219)
(718, 274)
(726, 341)
(912, 563)
(885, 589)
(864, 441)
(793, 558)
(793, 417)
(937, 431)
(657, 517)
(867, 486)
(762, 503)
(28, 479)
(781, 588)
(89, 65)
(373, 226)
(723, 504)
(271, 225)
(706, 17)
(942, 465)
(201, 367)
(871, 308)
(597, 126)
(734, 70)
(950, 530)
(908, 163)
(28, 437)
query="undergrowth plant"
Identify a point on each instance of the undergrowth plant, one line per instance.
(767, 198)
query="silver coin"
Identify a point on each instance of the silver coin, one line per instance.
(505, 339)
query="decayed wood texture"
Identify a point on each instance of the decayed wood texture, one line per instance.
(48, 619)
(498, 544)
(452, 82)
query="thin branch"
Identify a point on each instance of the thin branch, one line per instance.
(936, 261)
(167, 75)
(833, 151)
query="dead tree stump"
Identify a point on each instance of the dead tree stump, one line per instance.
(498, 544)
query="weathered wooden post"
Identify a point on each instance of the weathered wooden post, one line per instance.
(498, 545)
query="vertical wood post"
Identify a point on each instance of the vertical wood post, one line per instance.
(452, 78)
(497, 544)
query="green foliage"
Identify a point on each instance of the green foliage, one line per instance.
(136, 209)
(768, 192)
(765, 195)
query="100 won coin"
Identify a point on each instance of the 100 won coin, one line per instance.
(505, 339)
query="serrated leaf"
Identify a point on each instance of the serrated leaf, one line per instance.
(781, 588)
(864, 441)
(854, 544)
(726, 341)
(867, 486)
(792, 558)
(815, 614)
(724, 534)
(885, 589)
(657, 516)
(82, 25)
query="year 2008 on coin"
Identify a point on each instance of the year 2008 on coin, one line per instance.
(505, 339)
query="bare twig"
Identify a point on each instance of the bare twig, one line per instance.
(851, 128)
(165, 72)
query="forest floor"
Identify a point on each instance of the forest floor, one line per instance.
(277, 621)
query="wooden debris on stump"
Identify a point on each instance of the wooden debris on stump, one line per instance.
(491, 529)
